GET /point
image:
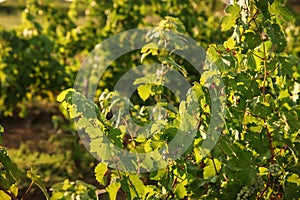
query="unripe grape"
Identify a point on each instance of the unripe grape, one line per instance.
(274, 169)
(248, 191)
(258, 183)
(245, 192)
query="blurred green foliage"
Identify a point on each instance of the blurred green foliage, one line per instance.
(40, 57)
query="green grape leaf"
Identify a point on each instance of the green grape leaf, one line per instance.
(209, 170)
(57, 196)
(229, 20)
(93, 132)
(144, 55)
(73, 112)
(158, 175)
(144, 91)
(66, 185)
(222, 66)
(115, 136)
(100, 171)
(172, 62)
(148, 161)
(281, 11)
(187, 123)
(230, 43)
(180, 189)
(225, 147)
(172, 23)
(262, 110)
(251, 63)
(148, 79)
(259, 142)
(212, 53)
(112, 190)
(12, 172)
(62, 96)
(101, 147)
(294, 178)
(137, 186)
(4, 196)
(284, 94)
(150, 48)
(291, 187)
(263, 5)
(4, 182)
(248, 174)
(295, 148)
(240, 167)
(251, 40)
(277, 37)
(83, 122)
(293, 121)
(231, 190)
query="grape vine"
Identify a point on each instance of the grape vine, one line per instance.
(255, 49)
(256, 156)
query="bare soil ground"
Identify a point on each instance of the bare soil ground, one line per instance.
(33, 130)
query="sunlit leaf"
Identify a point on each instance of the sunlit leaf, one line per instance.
(144, 91)
(112, 189)
(229, 20)
(100, 172)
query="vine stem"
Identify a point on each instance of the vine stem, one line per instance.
(270, 139)
(265, 73)
(213, 161)
(174, 182)
(161, 78)
(28, 190)
(200, 120)
(264, 100)
(215, 168)
(257, 56)
(269, 135)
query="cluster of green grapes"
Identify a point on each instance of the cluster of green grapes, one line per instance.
(258, 183)
(247, 191)
(274, 169)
